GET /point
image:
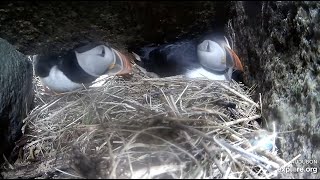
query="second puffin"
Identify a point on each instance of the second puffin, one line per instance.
(72, 69)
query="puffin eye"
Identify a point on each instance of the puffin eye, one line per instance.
(103, 52)
(208, 47)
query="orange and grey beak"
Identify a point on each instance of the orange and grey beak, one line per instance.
(236, 61)
(122, 64)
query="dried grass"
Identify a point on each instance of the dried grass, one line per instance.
(144, 127)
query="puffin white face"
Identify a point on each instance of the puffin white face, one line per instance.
(96, 60)
(212, 55)
(57, 81)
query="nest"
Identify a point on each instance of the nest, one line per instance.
(141, 127)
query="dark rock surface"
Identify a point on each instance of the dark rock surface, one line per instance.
(34, 27)
(16, 96)
(279, 44)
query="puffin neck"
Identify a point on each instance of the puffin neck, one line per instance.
(215, 71)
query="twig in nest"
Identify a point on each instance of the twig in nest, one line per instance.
(202, 90)
(75, 176)
(215, 160)
(179, 125)
(211, 112)
(182, 93)
(238, 94)
(241, 120)
(251, 174)
(112, 164)
(249, 155)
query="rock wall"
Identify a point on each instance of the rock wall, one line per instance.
(34, 27)
(16, 97)
(279, 44)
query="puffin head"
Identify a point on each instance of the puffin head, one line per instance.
(43, 63)
(212, 56)
(95, 59)
(100, 59)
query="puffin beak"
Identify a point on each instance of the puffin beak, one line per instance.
(126, 64)
(236, 60)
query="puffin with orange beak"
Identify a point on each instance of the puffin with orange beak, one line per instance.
(81, 66)
(211, 58)
(218, 61)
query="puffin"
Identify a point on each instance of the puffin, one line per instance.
(218, 61)
(208, 57)
(80, 66)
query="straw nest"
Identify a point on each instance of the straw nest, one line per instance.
(141, 127)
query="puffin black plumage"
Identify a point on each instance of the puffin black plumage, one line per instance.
(72, 69)
(169, 59)
(210, 56)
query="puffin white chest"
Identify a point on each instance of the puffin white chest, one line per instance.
(202, 73)
(57, 81)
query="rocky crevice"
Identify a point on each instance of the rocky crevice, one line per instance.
(279, 44)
